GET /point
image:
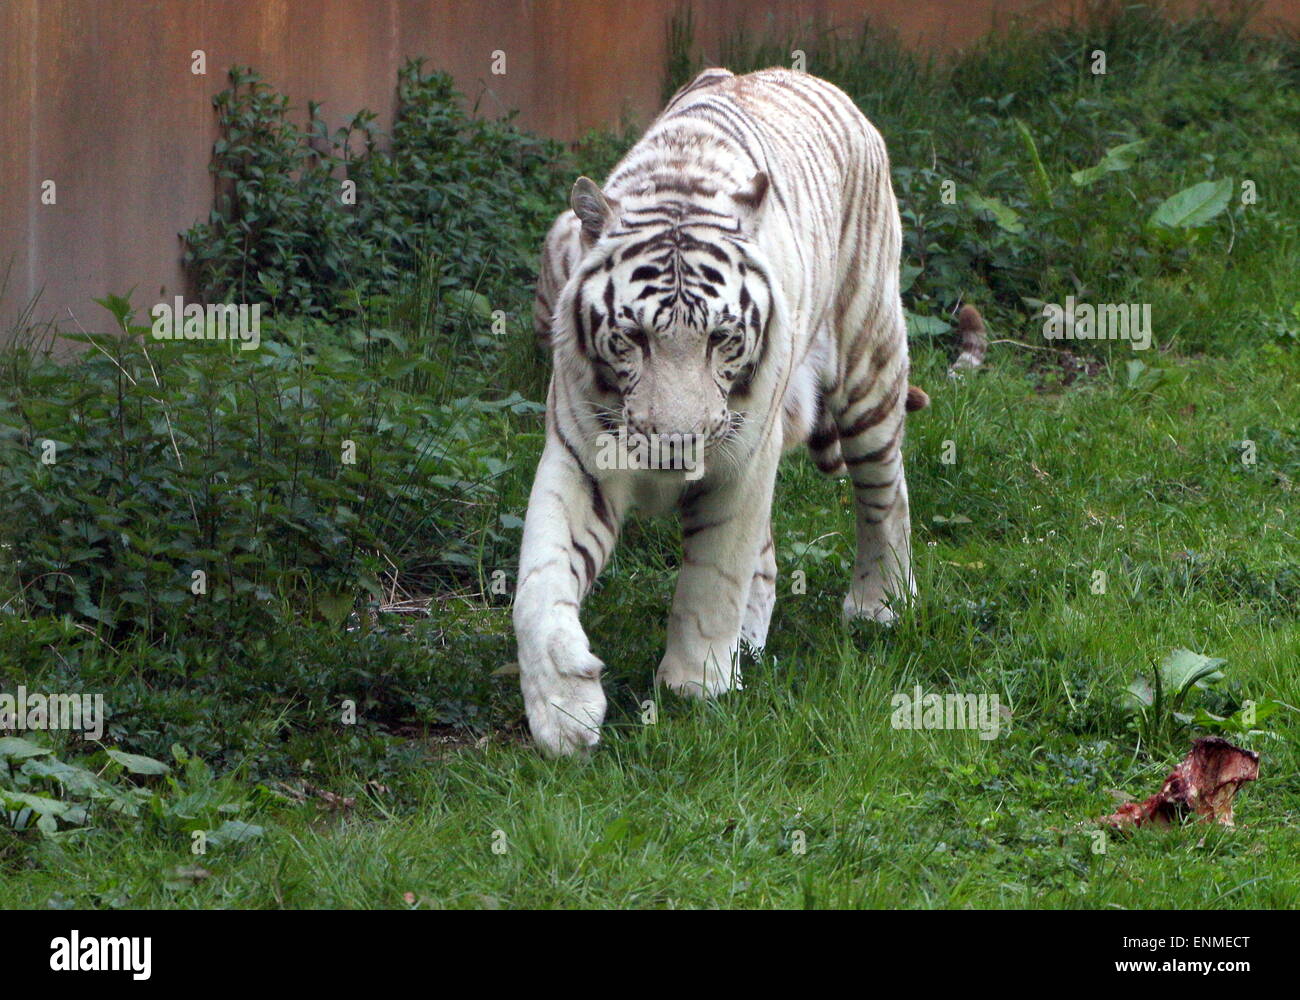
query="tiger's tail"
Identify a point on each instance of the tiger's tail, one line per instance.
(972, 341)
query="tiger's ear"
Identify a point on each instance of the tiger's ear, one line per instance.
(592, 208)
(751, 197)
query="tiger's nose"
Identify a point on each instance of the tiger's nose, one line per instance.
(662, 428)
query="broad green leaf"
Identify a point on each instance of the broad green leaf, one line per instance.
(37, 803)
(1182, 668)
(17, 748)
(75, 780)
(233, 831)
(1193, 206)
(335, 607)
(137, 764)
(1244, 722)
(1138, 695)
(926, 326)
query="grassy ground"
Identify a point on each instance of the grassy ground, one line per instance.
(711, 805)
(798, 791)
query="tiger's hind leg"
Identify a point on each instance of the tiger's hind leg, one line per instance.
(824, 443)
(869, 416)
(762, 598)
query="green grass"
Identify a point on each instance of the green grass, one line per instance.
(701, 809)
(798, 791)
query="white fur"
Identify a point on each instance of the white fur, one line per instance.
(726, 588)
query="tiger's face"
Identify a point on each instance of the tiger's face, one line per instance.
(675, 329)
(671, 307)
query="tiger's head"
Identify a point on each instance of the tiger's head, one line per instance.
(670, 306)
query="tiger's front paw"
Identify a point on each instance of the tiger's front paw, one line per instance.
(560, 678)
(705, 677)
(858, 607)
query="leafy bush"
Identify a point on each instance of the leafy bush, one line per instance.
(473, 195)
(291, 478)
(59, 793)
(48, 794)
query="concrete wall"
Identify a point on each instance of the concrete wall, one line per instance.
(98, 96)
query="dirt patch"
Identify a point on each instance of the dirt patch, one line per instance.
(1053, 370)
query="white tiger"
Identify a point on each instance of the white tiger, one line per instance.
(734, 292)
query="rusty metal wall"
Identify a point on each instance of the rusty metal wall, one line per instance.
(98, 96)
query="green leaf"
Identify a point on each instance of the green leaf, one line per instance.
(17, 748)
(37, 803)
(1236, 723)
(1193, 206)
(335, 607)
(1003, 214)
(75, 780)
(1138, 695)
(93, 611)
(474, 303)
(925, 326)
(137, 764)
(119, 306)
(1042, 184)
(233, 831)
(1182, 668)
(1116, 158)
